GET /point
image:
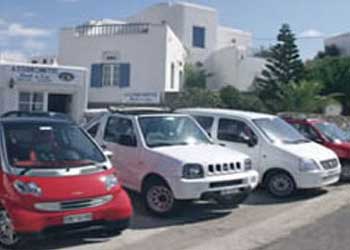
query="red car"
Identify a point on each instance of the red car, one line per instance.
(329, 135)
(54, 176)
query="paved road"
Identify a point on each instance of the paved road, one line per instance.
(329, 233)
(261, 223)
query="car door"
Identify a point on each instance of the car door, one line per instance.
(238, 135)
(120, 138)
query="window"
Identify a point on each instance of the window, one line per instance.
(198, 37)
(181, 75)
(31, 101)
(206, 122)
(234, 131)
(120, 131)
(110, 74)
(307, 131)
(94, 129)
(172, 76)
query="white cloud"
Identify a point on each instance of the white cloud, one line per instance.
(311, 33)
(34, 45)
(18, 30)
(13, 56)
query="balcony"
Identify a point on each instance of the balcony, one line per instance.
(112, 29)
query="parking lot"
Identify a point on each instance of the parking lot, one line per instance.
(261, 222)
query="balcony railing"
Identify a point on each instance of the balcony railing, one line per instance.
(112, 29)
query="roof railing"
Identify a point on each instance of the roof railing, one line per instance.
(112, 29)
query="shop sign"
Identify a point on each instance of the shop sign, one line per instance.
(142, 98)
(32, 74)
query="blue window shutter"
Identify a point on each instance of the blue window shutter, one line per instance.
(198, 37)
(96, 76)
(124, 75)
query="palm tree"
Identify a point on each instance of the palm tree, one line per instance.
(304, 97)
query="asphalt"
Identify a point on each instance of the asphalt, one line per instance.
(314, 220)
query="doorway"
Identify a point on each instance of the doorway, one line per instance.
(59, 103)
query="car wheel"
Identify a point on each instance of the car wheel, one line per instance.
(345, 172)
(159, 198)
(231, 201)
(9, 239)
(280, 184)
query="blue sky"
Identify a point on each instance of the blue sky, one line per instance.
(30, 27)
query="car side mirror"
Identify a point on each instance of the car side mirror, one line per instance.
(108, 154)
(127, 140)
(251, 142)
(318, 140)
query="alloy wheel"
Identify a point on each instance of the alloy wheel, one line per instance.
(160, 199)
(8, 236)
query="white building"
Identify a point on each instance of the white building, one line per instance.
(38, 87)
(341, 41)
(142, 58)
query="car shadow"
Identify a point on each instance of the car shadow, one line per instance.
(69, 239)
(262, 197)
(188, 213)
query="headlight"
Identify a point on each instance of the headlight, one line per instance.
(111, 181)
(248, 165)
(193, 171)
(307, 165)
(30, 188)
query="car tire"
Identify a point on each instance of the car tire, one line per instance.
(9, 239)
(232, 201)
(159, 198)
(280, 184)
(345, 172)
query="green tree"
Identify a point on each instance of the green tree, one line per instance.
(283, 67)
(196, 76)
(234, 99)
(195, 97)
(334, 74)
(304, 97)
(330, 51)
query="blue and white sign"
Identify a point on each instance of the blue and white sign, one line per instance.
(142, 98)
(43, 75)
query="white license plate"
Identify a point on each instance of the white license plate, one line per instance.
(229, 191)
(71, 219)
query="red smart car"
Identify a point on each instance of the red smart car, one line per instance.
(329, 135)
(54, 176)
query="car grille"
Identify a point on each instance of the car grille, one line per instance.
(73, 205)
(224, 168)
(226, 183)
(329, 164)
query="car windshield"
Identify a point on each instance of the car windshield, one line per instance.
(277, 129)
(51, 145)
(160, 131)
(332, 131)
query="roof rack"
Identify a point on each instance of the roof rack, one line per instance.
(139, 110)
(23, 114)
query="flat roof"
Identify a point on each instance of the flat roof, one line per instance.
(228, 112)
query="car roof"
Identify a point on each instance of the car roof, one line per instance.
(228, 112)
(33, 120)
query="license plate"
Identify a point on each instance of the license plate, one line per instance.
(229, 191)
(71, 219)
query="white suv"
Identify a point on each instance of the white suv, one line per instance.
(284, 158)
(169, 158)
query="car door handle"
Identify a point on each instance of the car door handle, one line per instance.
(222, 144)
(104, 146)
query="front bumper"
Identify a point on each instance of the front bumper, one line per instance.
(33, 221)
(318, 179)
(195, 189)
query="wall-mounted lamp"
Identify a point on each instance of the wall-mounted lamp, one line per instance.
(12, 83)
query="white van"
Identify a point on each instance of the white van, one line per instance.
(285, 159)
(169, 158)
